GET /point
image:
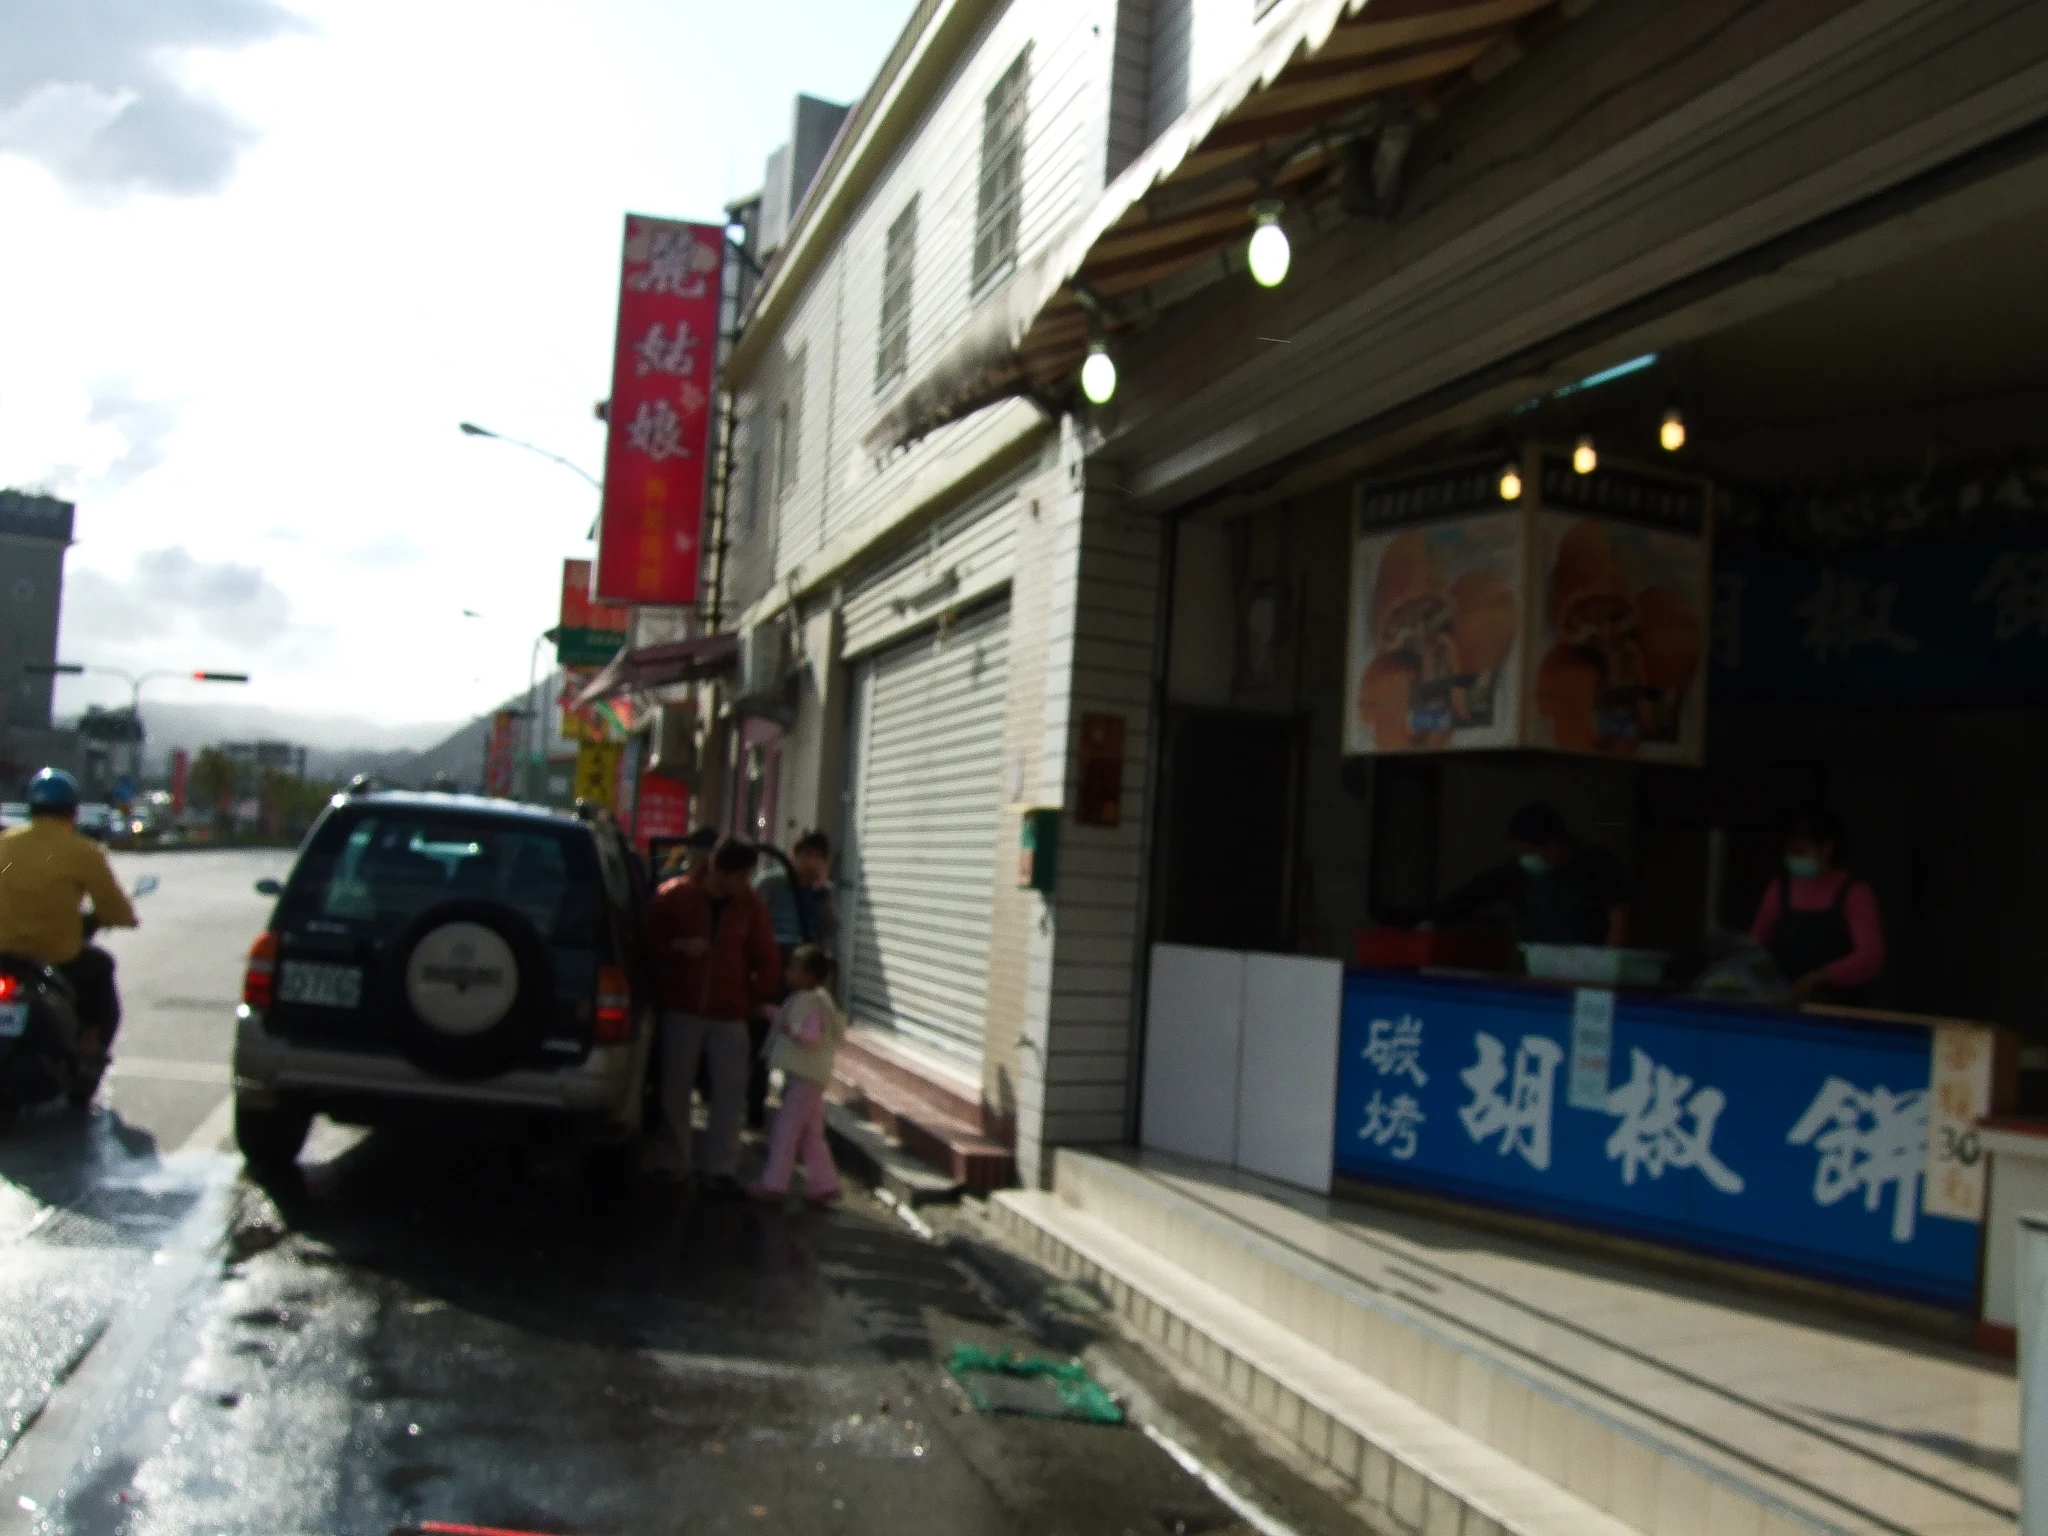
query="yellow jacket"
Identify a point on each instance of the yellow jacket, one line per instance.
(46, 869)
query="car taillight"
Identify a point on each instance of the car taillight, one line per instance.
(259, 982)
(9, 987)
(614, 1007)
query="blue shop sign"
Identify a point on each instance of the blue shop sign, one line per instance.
(1766, 1137)
(1957, 621)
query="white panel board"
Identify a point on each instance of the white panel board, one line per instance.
(1193, 1014)
(1287, 1095)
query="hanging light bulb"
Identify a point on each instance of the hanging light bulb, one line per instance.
(1269, 253)
(1672, 432)
(1098, 374)
(1510, 482)
(1584, 459)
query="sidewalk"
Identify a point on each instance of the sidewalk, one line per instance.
(1532, 1388)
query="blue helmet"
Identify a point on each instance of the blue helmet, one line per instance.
(53, 790)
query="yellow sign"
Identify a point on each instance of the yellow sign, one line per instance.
(597, 772)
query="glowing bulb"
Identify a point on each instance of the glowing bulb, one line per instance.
(1269, 253)
(1510, 483)
(1098, 374)
(1672, 433)
(1584, 459)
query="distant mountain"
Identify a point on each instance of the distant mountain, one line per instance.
(338, 747)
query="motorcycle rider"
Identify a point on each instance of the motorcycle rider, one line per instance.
(46, 869)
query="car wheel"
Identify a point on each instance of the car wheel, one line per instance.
(271, 1137)
(469, 986)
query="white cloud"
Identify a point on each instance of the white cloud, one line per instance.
(87, 91)
(423, 230)
(173, 596)
(144, 426)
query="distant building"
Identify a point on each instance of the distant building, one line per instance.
(283, 757)
(34, 533)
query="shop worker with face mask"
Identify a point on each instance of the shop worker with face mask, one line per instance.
(1820, 924)
(1561, 891)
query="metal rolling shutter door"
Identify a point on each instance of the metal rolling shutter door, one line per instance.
(930, 775)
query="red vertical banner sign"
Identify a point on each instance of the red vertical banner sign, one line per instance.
(181, 772)
(498, 756)
(664, 809)
(657, 458)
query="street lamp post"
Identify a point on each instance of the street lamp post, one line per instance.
(134, 680)
(471, 429)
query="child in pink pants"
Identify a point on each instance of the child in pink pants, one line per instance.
(802, 1044)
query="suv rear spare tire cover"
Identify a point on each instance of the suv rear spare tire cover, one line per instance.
(469, 986)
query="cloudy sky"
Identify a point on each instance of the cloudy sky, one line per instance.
(261, 256)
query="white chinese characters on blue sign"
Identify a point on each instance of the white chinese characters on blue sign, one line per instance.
(1521, 1117)
(1392, 1124)
(1867, 1141)
(1393, 1048)
(1666, 1123)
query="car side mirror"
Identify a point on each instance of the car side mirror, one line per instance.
(269, 887)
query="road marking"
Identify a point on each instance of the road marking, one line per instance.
(1243, 1507)
(40, 1462)
(214, 1133)
(167, 1070)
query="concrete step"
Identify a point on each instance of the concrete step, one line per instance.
(1412, 1471)
(1540, 1379)
(927, 1119)
(883, 1163)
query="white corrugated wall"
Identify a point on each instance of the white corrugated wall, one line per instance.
(925, 760)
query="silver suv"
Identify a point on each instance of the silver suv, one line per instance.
(434, 958)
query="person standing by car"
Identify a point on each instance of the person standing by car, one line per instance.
(812, 857)
(807, 1031)
(46, 869)
(717, 966)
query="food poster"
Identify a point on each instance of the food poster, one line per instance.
(1436, 625)
(1621, 638)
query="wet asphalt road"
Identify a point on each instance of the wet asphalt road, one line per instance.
(455, 1332)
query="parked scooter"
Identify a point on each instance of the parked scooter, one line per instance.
(41, 1053)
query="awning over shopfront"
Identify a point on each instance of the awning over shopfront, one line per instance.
(1330, 78)
(659, 666)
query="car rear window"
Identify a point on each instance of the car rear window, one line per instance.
(380, 868)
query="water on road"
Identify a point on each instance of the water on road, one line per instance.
(447, 1330)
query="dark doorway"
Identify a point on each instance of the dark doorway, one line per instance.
(1224, 876)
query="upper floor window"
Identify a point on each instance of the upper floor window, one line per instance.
(899, 260)
(789, 427)
(1001, 194)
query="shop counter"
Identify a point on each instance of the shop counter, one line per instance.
(1836, 1145)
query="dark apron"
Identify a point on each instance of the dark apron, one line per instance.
(1558, 908)
(1803, 942)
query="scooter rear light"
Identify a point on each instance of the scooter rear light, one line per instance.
(10, 987)
(259, 982)
(614, 1007)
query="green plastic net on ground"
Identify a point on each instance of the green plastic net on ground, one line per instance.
(1031, 1385)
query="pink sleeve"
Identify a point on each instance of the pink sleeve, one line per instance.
(1766, 915)
(1866, 933)
(808, 1027)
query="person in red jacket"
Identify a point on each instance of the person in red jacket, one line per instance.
(717, 963)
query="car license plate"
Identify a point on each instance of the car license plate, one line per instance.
(13, 1020)
(320, 986)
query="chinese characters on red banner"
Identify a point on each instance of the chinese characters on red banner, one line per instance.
(657, 458)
